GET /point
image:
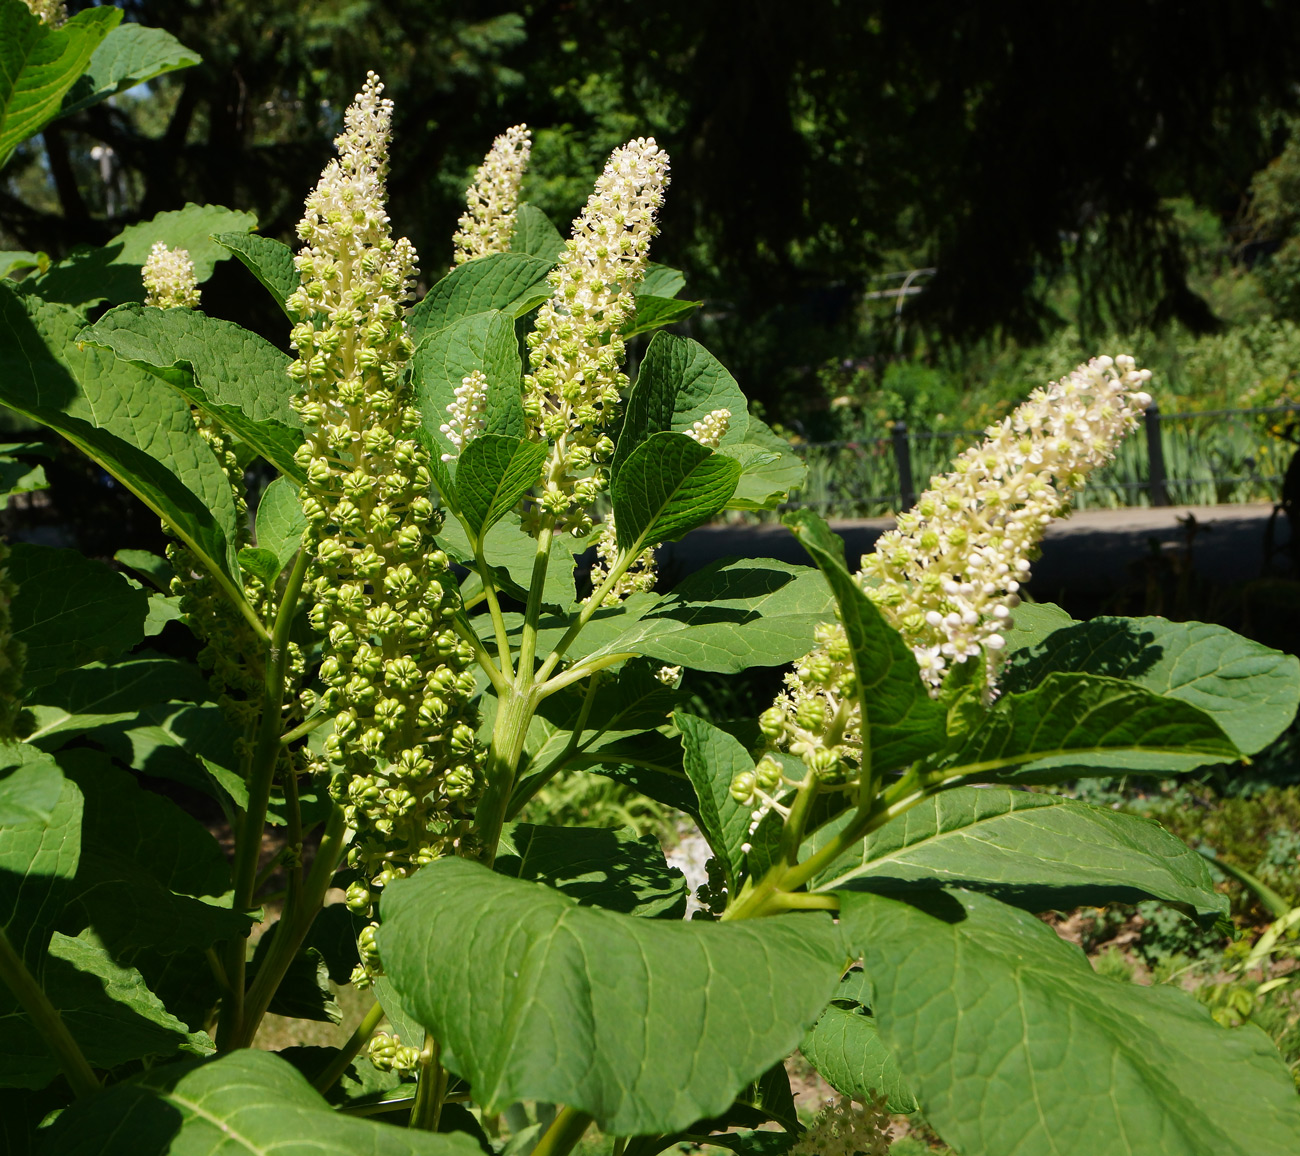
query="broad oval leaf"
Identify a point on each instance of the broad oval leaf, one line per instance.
(767, 481)
(669, 484)
(535, 235)
(511, 282)
(712, 760)
(655, 312)
(280, 521)
(494, 473)
(269, 260)
(1250, 690)
(130, 54)
(30, 786)
(1013, 1044)
(249, 1102)
(846, 1049)
(646, 1025)
(902, 722)
(1038, 852)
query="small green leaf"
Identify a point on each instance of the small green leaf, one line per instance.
(130, 54)
(713, 759)
(1013, 1044)
(304, 993)
(661, 281)
(248, 1101)
(614, 870)
(20, 261)
(156, 569)
(655, 312)
(535, 235)
(511, 282)
(71, 610)
(111, 272)
(669, 485)
(902, 721)
(1084, 724)
(261, 564)
(846, 1049)
(39, 64)
(646, 1025)
(270, 261)
(233, 375)
(767, 481)
(1250, 690)
(1033, 622)
(494, 473)
(1039, 852)
(29, 789)
(280, 521)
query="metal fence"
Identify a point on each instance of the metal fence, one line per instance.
(1209, 457)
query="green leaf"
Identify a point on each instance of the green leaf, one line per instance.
(846, 1049)
(39, 64)
(1084, 724)
(20, 477)
(679, 383)
(117, 415)
(1038, 852)
(767, 481)
(1250, 690)
(270, 261)
(655, 312)
(1013, 1044)
(535, 235)
(280, 521)
(713, 759)
(233, 375)
(900, 718)
(494, 473)
(661, 281)
(510, 552)
(248, 1101)
(1033, 622)
(30, 789)
(20, 261)
(155, 568)
(511, 282)
(304, 993)
(614, 870)
(669, 485)
(644, 1024)
(130, 54)
(71, 610)
(261, 563)
(112, 272)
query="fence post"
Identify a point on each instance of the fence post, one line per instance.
(1157, 481)
(903, 459)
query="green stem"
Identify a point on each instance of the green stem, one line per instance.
(302, 730)
(533, 612)
(494, 608)
(792, 832)
(594, 603)
(514, 712)
(481, 656)
(534, 783)
(356, 1041)
(432, 1088)
(46, 1018)
(581, 671)
(564, 1133)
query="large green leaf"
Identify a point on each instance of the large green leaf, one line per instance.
(1036, 851)
(713, 758)
(111, 272)
(511, 282)
(1084, 724)
(130, 54)
(30, 786)
(494, 473)
(249, 1102)
(280, 521)
(901, 722)
(269, 260)
(679, 383)
(1013, 1044)
(616, 870)
(667, 486)
(1250, 690)
(846, 1049)
(70, 610)
(646, 1025)
(535, 235)
(39, 64)
(767, 481)
(109, 1010)
(119, 417)
(655, 312)
(233, 375)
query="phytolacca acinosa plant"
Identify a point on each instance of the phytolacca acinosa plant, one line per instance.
(402, 757)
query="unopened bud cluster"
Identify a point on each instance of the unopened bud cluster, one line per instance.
(465, 414)
(947, 578)
(389, 1054)
(711, 429)
(844, 1128)
(403, 754)
(493, 199)
(573, 391)
(169, 278)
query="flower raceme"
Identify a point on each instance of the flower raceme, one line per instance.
(947, 577)
(493, 199)
(169, 278)
(573, 391)
(403, 755)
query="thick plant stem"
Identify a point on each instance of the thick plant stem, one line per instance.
(514, 712)
(533, 612)
(432, 1088)
(494, 608)
(564, 1133)
(356, 1041)
(45, 1016)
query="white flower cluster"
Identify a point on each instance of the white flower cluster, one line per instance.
(493, 199)
(638, 578)
(947, 577)
(711, 429)
(51, 12)
(844, 1128)
(573, 391)
(465, 413)
(169, 278)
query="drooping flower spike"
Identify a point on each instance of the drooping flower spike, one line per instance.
(492, 201)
